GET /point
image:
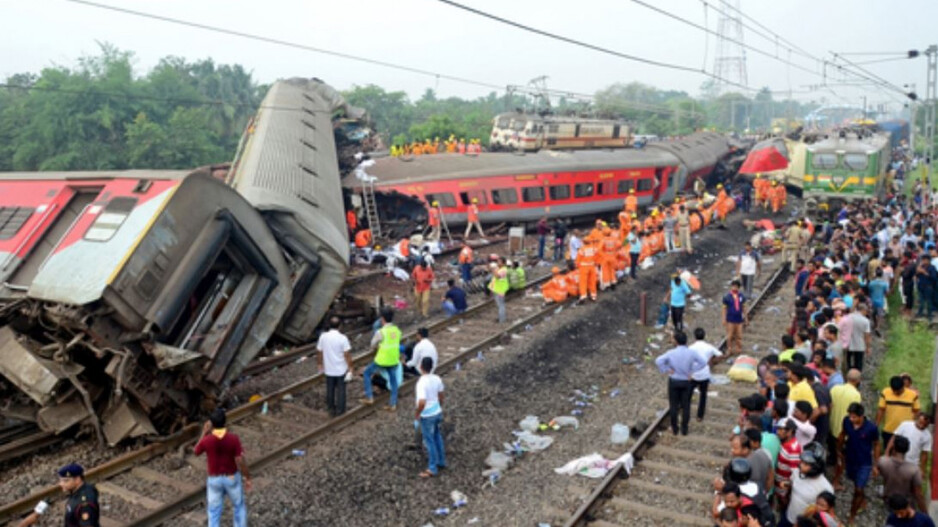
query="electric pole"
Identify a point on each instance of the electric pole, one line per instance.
(730, 62)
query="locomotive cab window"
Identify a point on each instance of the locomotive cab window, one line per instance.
(111, 218)
(624, 186)
(583, 190)
(504, 196)
(558, 192)
(825, 161)
(856, 161)
(645, 185)
(530, 194)
(446, 199)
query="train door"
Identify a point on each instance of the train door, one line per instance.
(50, 238)
(662, 176)
(615, 132)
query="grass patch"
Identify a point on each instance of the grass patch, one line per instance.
(910, 347)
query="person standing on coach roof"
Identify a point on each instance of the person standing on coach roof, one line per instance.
(387, 342)
(335, 361)
(227, 470)
(679, 363)
(81, 507)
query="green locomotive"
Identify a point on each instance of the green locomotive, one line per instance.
(845, 166)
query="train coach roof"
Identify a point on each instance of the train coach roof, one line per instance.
(450, 166)
(91, 175)
(834, 143)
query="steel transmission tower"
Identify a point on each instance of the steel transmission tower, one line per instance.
(729, 65)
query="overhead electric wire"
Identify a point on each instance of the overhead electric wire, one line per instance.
(281, 42)
(593, 47)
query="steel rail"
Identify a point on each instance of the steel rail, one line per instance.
(190, 432)
(585, 513)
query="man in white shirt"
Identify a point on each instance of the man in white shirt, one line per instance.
(701, 378)
(748, 266)
(335, 361)
(428, 416)
(423, 348)
(916, 431)
(801, 417)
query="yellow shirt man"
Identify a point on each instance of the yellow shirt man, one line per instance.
(802, 391)
(896, 408)
(841, 397)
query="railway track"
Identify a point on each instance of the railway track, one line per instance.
(27, 439)
(158, 482)
(671, 481)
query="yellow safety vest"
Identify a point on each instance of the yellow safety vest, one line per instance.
(500, 285)
(389, 350)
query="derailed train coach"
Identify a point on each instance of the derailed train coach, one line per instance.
(130, 300)
(523, 188)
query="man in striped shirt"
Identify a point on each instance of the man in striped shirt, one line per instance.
(789, 457)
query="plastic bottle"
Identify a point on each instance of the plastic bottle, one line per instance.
(299, 453)
(620, 434)
(442, 511)
(567, 420)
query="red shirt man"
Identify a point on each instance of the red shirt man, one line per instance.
(423, 278)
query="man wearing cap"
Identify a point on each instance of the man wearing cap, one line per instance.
(81, 506)
(472, 219)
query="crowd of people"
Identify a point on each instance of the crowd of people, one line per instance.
(435, 146)
(808, 424)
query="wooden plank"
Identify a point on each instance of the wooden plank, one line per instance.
(282, 423)
(159, 478)
(128, 495)
(663, 489)
(645, 511)
(687, 454)
(672, 469)
(316, 416)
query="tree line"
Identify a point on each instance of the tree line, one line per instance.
(101, 114)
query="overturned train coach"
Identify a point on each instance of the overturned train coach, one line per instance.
(523, 188)
(130, 300)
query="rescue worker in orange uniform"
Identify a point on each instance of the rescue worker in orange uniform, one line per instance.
(636, 226)
(433, 221)
(586, 259)
(363, 238)
(472, 219)
(625, 224)
(573, 283)
(451, 145)
(607, 258)
(631, 202)
(779, 196)
(555, 290)
(649, 224)
(596, 233)
(466, 258)
(762, 190)
(721, 205)
(461, 146)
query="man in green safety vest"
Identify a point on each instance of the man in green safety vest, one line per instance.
(387, 341)
(499, 286)
(517, 278)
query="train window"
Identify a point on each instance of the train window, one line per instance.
(12, 220)
(504, 196)
(605, 188)
(446, 199)
(110, 219)
(645, 185)
(558, 192)
(553, 128)
(856, 161)
(825, 161)
(478, 195)
(583, 190)
(624, 186)
(529, 194)
(503, 122)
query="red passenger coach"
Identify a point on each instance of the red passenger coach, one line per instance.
(517, 188)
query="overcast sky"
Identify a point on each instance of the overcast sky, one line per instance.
(430, 35)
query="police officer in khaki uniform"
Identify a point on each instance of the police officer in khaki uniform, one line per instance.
(81, 506)
(793, 241)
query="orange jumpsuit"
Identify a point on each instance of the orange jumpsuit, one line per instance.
(779, 197)
(607, 260)
(363, 238)
(631, 204)
(622, 259)
(573, 283)
(649, 224)
(762, 190)
(461, 147)
(721, 205)
(555, 290)
(586, 259)
(625, 224)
